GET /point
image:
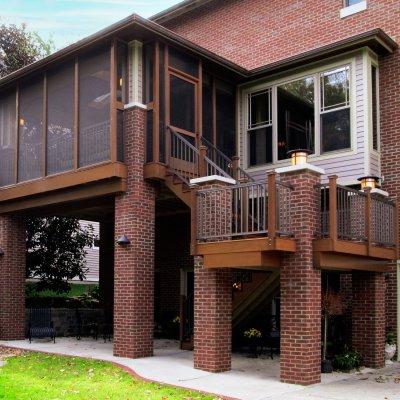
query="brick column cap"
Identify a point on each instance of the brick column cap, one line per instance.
(212, 178)
(299, 168)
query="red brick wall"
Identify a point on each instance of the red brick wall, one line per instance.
(301, 288)
(134, 264)
(212, 318)
(253, 33)
(12, 272)
(368, 317)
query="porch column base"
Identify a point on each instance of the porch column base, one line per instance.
(212, 318)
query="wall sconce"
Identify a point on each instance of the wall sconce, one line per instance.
(299, 156)
(1, 252)
(369, 182)
(237, 286)
(21, 122)
(123, 240)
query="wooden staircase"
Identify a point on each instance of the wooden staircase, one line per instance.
(179, 187)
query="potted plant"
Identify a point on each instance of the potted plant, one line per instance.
(390, 347)
(253, 336)
(347, 360)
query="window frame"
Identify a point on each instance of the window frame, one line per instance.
(311, 71)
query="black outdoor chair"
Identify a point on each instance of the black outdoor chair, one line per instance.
(272, 337)
(41, 324)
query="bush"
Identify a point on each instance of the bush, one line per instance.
(390, 338)
(347, 360)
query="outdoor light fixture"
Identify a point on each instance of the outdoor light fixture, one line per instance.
(299, 156)
(123, 240)
(369, 182)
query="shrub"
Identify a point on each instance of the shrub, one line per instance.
(347, 360)
(390, 338)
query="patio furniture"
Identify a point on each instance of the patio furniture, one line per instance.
(86, 327)
(41, 324)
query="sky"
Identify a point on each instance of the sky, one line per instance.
(66, 21)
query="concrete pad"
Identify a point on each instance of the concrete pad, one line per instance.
(250, 379)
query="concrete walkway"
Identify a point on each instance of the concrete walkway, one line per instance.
(250, 379)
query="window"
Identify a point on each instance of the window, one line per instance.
(375, 106)
(349, 3)
(30, 129)
(60, 119)
(208, 113)
(183, 62)
(94, 108)
(7, 137)
(351, 7)
(335, 110)
(296, 116)
(290, 114)
(121, 72)
(260, 127)
(182, 103)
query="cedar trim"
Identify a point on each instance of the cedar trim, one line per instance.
(155, 170)
(244, 260)
(68, 179)
(67, 195)
(156, 102)
(113, 101)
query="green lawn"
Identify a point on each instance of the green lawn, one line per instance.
(35, 376)
(77, 289)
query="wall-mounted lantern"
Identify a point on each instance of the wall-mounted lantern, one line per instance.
(123, 240)
(369, 182)
(299, 156)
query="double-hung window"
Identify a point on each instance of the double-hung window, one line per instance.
(293, 114)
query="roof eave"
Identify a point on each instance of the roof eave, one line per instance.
(177, 10)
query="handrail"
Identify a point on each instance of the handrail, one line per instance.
(187, 161)
(226, 163)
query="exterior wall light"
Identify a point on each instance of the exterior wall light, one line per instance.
(299, 156)
(369, 182)
(123, 240)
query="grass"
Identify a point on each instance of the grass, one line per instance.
(76, 290)
(36, 376)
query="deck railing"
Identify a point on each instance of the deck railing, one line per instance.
(243, 210)
(187, 161)
(358, 216)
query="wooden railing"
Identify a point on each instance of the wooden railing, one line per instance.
(243, 210)
(358, 216)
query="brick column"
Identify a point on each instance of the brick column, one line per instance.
(301, 286)
(212, 318)
(134, 263)
(213, 287)
(12, 272)
(106, 263)
(368, 317)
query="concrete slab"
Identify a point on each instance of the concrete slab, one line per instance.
(250, 379)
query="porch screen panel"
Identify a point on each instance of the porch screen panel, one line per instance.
(182, 104)
(60, 119)
(8, 133)
(30, 130)
(94, 108)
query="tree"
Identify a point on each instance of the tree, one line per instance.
(20, 47)
(56, 251)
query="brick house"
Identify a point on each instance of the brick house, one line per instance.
(217, 140)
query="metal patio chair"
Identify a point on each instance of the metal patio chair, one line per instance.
(41, 324)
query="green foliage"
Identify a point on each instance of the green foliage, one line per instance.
(56, 252)
(20, 47)
(35, 376)
(390, 338)
(252, 333)
(347, 360)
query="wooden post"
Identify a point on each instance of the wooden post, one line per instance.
(271, 205)
(235, 168)
(333, 229)
(368, 218)
(156, 104)
(202, 161)
(193, 221)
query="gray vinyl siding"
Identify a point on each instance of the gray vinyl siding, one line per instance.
(348, 165)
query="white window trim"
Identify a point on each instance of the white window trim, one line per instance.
(313, 71)
(354, 9)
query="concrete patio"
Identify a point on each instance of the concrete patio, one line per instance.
(250, 379)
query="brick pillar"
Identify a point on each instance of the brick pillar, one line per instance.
(212, 318)
(106, 263)
(301, 286)
(213, 287)
(368, 322)
(12, 272)
(134, 263)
